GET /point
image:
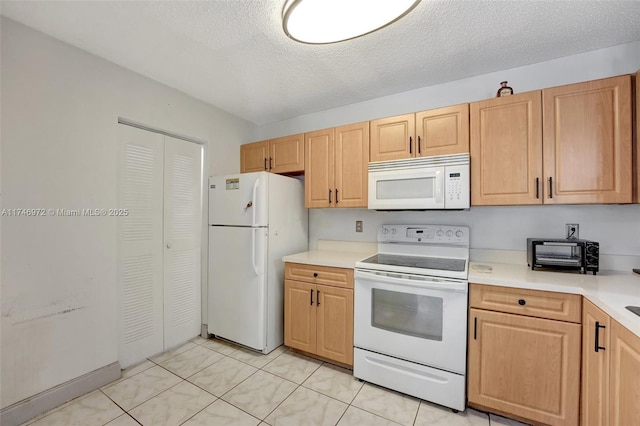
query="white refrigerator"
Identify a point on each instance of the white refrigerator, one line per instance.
(254, 220)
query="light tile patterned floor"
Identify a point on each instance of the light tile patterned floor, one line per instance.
(209, 382)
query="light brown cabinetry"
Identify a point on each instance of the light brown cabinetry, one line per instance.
(506, 150)
(254, 157)
(610, 371)
(336, 166)
(624, 373)
(435, 132)
(283, 155)
(318, 311)
(568, 144)
(524, 366)
(595, 366)
(587, 142)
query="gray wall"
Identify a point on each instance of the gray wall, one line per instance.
(60, 107)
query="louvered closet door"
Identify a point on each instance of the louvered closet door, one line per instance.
(140, 246)
(182, 238)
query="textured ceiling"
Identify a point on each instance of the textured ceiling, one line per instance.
(233, 54)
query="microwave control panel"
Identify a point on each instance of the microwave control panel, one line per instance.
(456, 187)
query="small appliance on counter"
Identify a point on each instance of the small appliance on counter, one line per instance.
(563, 254)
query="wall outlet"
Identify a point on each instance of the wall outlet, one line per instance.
(573, 230)
(358, 226)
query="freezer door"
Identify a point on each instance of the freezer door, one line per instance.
(238, 284)
(239, 200)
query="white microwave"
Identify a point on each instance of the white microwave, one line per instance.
(426, 183)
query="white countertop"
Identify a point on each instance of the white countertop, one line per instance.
(337, 259)
(611, 291)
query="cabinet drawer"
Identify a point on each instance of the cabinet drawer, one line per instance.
(337, 277)
(534, 303)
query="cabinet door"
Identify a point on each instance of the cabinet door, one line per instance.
(443, 131)
(625, 376)
(319, 189)
(393, 138)
(587, 142)
(335, 324)
(637, 146)
(527, 367)
(595, 366)
(253, 157)
(352, 165)
(300, 315)
(286, 154)
(506, 150)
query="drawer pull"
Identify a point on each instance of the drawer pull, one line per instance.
(315, 275)
(522, 302)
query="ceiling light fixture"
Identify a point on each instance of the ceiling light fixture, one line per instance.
(331, 21)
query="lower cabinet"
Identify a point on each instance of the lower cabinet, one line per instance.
(520, 365)
(610, 371)
(318, 311)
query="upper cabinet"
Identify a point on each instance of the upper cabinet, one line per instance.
(435, 132)
(506, 150)
(587, 131)
(337, 165)
(254, 157)
(443, 131)
(283, 155)
(565, 145)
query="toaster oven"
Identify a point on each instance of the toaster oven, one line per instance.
(563, 255)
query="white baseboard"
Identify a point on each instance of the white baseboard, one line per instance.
(42, 402)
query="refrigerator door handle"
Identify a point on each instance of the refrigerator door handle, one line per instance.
(253, 250)
(253, 202)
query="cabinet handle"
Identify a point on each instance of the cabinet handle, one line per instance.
(522, 302)
(419, 146)
(597, 345)
(270, 163)
(265, 163)
(317, 297)
(337, 196)
(315, 275)
(475, 328)
(311, 295)
(550, 187)
(410, 145)
(329, 196)
(537, 187)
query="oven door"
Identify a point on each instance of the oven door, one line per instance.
(412, 317)
(407, 189)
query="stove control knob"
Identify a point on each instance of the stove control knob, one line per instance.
(449, 233)
(440, 233)
(458, 234)
(385, 231)
(393, 231)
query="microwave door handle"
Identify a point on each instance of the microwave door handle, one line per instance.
(439, 182)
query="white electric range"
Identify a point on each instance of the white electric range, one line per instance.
(410, 312)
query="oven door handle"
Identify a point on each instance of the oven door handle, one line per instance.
(407, 280)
